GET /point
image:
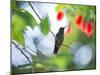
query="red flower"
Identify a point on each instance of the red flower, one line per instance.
(79, 21)
(89, 29)
(60, 15)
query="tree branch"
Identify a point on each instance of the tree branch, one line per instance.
(67, 46)
(34, 10)
(22, 52)
(30, 49)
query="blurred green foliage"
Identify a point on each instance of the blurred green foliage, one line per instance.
(64, 59)
(76, 35)
(72, 11)
(58, 62)
(20, 19)
(45, 25)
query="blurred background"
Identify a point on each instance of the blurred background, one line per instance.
(78, 51)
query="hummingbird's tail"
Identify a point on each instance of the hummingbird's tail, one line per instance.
(56, 49)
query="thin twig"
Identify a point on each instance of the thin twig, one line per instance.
(67, 46)
(33, 9)
(22, 52)
(28, 51)
(32, 50)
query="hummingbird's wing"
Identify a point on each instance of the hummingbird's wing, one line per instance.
(56, 46)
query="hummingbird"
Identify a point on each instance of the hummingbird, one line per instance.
(59, 39)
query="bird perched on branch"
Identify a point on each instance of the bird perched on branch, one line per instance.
(59, 39)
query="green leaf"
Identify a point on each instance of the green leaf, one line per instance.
(20, 19)
(44, 25)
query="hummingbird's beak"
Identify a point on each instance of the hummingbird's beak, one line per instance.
(66, 26)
